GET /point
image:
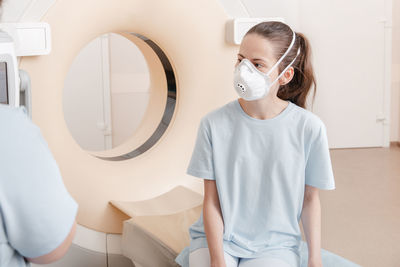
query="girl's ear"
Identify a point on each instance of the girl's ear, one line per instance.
(287, 77)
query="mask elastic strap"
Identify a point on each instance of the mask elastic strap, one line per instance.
(290, 64)
(284, 55)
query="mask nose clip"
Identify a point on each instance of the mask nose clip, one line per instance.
(246, 65)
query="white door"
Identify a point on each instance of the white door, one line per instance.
(86, 96)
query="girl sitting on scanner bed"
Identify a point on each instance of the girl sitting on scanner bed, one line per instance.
(263, 158)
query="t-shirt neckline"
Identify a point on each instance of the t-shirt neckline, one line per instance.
(260, 121)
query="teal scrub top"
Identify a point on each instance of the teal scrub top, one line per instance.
(261, 168)
(36, 211)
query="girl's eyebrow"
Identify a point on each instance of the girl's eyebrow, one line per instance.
(260, 59)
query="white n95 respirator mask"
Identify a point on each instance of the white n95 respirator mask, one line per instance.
(252, 84)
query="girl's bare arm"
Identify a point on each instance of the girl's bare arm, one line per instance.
(311, 220)
(213, 223)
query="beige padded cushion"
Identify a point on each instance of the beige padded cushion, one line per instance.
(178, 199)
(158, 229)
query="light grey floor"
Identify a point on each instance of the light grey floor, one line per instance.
(81, 257)
(361, 217)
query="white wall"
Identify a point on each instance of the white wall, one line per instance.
(395, 99)
(130, 82)
(288, 9)
(83, 97)
(13, 10)
(25, 10)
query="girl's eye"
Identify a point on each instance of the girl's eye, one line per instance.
(257, 65)
(239, 60)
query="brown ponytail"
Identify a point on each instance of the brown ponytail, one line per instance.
(303, 79)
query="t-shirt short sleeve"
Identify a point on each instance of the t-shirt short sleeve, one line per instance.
(201, 162)
(318, 171)
(37, 210)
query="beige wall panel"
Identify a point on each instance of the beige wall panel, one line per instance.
(192, 34)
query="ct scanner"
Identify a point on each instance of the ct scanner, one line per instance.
(135, 208)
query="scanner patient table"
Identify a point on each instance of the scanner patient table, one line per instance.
(158, 230)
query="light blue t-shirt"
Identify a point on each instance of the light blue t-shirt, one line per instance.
(36, 211)
(261, 168)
